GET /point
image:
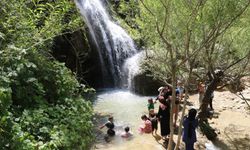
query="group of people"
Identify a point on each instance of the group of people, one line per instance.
(190, 122)
(150, 122)
(163, 115)
(111, 132)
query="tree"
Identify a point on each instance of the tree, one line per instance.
(189, 34)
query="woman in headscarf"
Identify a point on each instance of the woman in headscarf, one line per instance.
(164, 117)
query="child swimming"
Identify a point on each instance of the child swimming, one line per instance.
(126, 133)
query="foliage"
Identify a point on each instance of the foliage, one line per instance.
(204, 34)
(126, 12)
(41, 103)
(186, 35)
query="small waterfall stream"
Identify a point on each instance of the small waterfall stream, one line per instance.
(113, 43)
(132, 68)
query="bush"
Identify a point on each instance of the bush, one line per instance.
(41, 102)
(41, 105)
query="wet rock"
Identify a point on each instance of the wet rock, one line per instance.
(80, 55)
(146, 85)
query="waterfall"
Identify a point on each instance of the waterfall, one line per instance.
(113, 43)
(132, 68)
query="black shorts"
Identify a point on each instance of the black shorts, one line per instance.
(111, 132)
(154, 125)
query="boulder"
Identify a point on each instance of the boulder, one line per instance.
(146, 85)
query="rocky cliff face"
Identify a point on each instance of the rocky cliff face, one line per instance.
(80, 55)
(146, 85)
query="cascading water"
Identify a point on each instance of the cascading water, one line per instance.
(113, 43)
(132, 68)
(120, 61)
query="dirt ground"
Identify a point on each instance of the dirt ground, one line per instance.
(231, 120)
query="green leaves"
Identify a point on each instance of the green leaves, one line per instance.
(206, 34)
(2, 36)
(41, 104)
(5, 100)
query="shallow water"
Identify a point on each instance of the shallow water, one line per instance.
(126, 108)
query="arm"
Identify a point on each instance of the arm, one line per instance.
(102, 126)
(184, 120)
(156, 100)
(159, 114)
(196, 123)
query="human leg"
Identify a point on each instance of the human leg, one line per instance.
(201, 95)
(211, 103)
(189, 146)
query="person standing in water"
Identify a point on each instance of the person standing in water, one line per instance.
(110, 125)
(126, 133)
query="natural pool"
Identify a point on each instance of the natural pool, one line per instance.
(126, 108)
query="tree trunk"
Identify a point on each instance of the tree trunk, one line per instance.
(181, 121)
(208, 93)
(186, 85)
(203, 123)
(170, 143)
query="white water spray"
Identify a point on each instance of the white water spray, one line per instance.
(132, 68)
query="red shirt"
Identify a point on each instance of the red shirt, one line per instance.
(148, 126)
